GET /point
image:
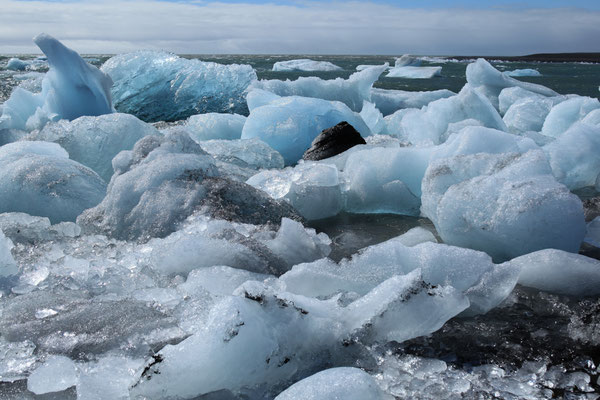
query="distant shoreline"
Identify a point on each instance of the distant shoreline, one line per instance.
(543, 57)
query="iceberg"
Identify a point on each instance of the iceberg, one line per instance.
(389, 101)
(566, 113)
(16, 64)
(40, 179)
(352, 91)
(159, 86)
(504, 204)
(414, 72)
(162, 181)
(490, 82)
(406, 60)
(70, 89)
(215, 126)
(523, 72)
(289, 124)
(95, 141)
(305, 64)
(350, 384)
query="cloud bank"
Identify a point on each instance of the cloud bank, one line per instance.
(357, 27)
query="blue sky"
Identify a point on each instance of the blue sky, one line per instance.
(429, 27)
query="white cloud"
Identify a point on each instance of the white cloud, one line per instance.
(358, 27)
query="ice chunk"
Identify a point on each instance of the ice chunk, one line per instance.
(390, 101)
(289, 124)
(592, 235)
(429, 125)
(215, 126)
(95, 141)
(25, 228)
(7, 262)
(414, 72)
(575, 156)
(111, 377)
(528, 114)
(523, 72)
(489, 81)
(247, 153)
(373, 118)
(565, 114)
(157, 86)
(70, 89)
(40, 179)
(55, 375)
(593, 117)
(16, 64)
(305, 64)
(311, 188)
(407, 60)
(416, 236)
(335, 383)
(218, 280)
(510, 95)
(507, 204)
(559, 272)
(259, 97)
(352, 91)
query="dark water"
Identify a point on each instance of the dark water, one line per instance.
(565, 78)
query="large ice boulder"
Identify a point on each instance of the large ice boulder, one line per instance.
(16, 64)
(414, 72)
(430, 124)
(70, 89)
(94, 141)
(389, 101)
(506, 204)
(215, 126)
(157, 86)
(40, 179)
(162, 181)
(559, 272)
(290, 124)
(489, 81)
(352, 91)
(305, 64)
(575, 156)
(528, 114)
(563, 115)
(335, 383)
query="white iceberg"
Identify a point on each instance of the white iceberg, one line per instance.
(563, 115)
(523, 72)
(70, 89)
(157, 86)
(290, 124)
(414, 72)
(305, 64)
(352, 91)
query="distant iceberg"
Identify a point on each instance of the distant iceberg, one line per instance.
(523, 72)
(407, 61)
(410, 72)
(305, 64)
(160, 86)
(16, 64)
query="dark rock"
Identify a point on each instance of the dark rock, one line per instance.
(333, 141)
(591, 208)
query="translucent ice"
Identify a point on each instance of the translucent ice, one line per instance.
(7, 262)
(25, 228)
(528, 114)
(16, 64)
(55, 375)
(507, 204)
(390, 101)
(489, 81)
(215, 126)
(428, 125)
(289, 124)
(158, 86)
(373, 118)
(40, 179)
(312, 188)
(414, 72)
(575, 156)
(94, 141)
(559, 272)
(70, 89)
(564, 115)
(352, 91)
(523, 72)
(305, 64)
(335, 383)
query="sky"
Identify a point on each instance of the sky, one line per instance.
(387, 27)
